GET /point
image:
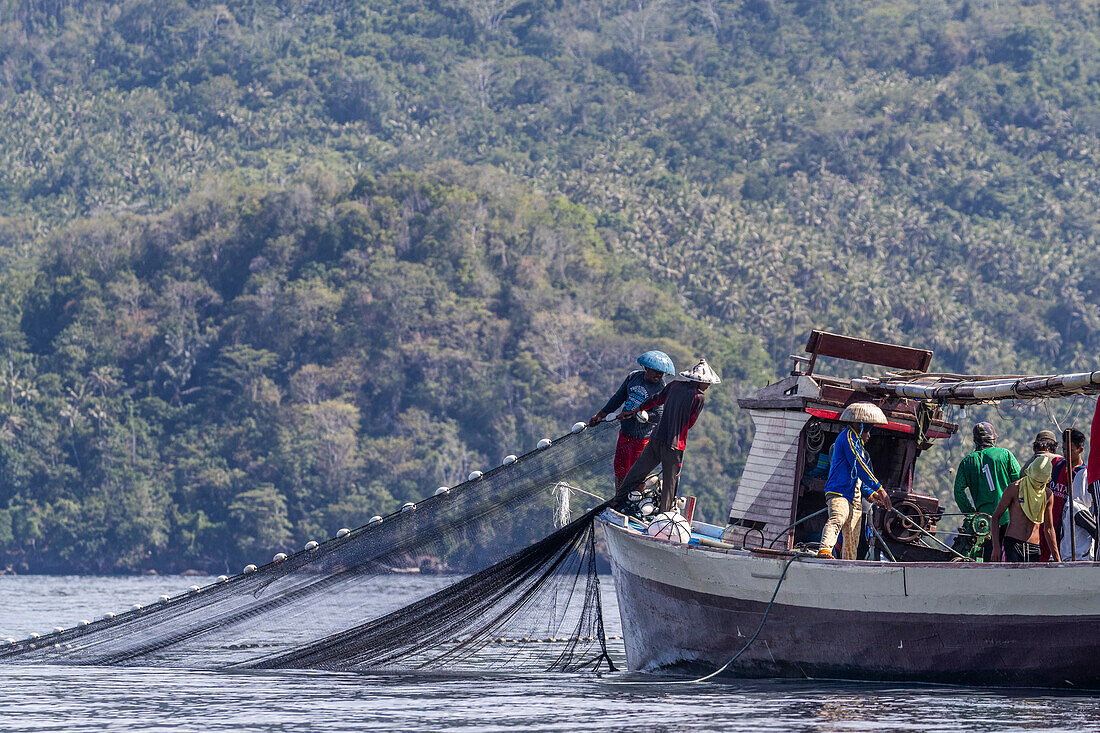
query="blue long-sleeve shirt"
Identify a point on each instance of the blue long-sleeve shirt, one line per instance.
(633, 392)
(850, 463)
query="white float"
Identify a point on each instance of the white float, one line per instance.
(223, 578)
(408, 506)
(508, 460)
(578, 427)
(136, 607)
(279, 557)
(311, 546)
(671, 526)
(442, 490)
(375, 520)
(544, 443)
(249, 569)
(343, 532)
(474, 475)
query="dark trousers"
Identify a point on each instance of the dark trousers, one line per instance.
(1020, 551)
(987, 546)
(655, 452)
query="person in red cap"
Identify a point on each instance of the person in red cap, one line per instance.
(985, 474)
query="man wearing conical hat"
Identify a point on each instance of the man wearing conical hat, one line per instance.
(850, 476)
(683, 401)
(1030, 506)
(639, 386)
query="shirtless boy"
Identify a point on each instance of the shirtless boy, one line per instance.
(1029, 503)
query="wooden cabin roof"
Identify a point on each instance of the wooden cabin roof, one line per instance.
(826, 397)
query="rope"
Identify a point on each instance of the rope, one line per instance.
(789, 527)
(735, 657)
(927, 534)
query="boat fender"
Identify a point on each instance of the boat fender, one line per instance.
(508, 460)
(544, 443)
(343, 532)
(441, 491)
(671, 526)
(578, 427)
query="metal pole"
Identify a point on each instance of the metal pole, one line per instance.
(1069, 486)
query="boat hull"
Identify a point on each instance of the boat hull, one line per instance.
(697, 607)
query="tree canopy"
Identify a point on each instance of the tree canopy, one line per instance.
(270, 268)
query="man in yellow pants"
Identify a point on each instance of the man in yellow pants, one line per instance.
(850, 475)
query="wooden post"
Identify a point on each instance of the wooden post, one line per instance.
(1066, 447)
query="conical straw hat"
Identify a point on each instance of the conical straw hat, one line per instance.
(864, 412)
(702, 372)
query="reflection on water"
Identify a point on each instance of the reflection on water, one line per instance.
(118, 699)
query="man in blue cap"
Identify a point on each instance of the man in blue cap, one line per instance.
(683, 402)
(639, 386)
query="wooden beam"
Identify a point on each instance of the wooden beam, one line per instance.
(863, 351)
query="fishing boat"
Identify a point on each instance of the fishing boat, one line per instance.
(748, 599)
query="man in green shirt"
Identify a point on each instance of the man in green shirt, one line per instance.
(985, 474)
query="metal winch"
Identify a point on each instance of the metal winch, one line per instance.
(973, 533)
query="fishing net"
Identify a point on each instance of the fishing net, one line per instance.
(475, 618)
(514, 604)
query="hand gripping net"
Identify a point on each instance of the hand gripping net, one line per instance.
(524, 605)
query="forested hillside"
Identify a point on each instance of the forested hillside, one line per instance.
(273, 267)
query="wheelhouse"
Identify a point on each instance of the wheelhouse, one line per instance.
(796, 422)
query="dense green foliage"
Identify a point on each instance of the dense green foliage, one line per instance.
(258, 366)
(270, 268)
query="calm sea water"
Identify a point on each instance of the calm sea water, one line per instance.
(128, 699)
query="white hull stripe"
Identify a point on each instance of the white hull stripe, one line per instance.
(909, 588)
